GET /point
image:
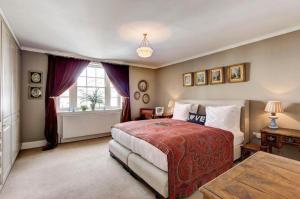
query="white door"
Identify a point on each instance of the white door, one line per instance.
(15, 137)
(6, 161)
(6, 73)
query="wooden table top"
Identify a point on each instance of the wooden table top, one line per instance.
(261, 176)
(283, 131)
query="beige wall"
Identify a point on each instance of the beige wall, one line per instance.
(32, 110)
(274, 74)
(136, 74)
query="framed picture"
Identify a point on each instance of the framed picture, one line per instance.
(35, 77)
(188, 79)
(146, 98)
(236, 73)
(35, 92)
(159, 111)
(143, 85)
(200, 78)
(216, 75)
(137, 95)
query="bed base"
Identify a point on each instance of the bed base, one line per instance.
(133, 174)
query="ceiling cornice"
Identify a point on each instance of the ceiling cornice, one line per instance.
(74, 55)
(267, 36)
(9, 27)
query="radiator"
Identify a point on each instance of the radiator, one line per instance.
(80, 124)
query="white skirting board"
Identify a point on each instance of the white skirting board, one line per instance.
(41, 143)
(34, 144)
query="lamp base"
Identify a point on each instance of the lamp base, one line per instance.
(273, 124)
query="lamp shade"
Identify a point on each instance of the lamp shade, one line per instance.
(170, 104)
(274, 107)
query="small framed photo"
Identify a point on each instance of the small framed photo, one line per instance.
(216, 75)
(188, 79)
(236, 73)
(137, 95)
(159, 111)
(200, 78)
(35, 77)
(35, 92)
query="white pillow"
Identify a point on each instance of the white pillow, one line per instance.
(181, 111)
(224, 117)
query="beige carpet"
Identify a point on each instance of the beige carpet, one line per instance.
(79, 170)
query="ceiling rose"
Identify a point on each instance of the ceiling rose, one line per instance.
(144, 50)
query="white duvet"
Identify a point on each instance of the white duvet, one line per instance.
(150, 152)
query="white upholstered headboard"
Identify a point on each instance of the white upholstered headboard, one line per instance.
(244, 112)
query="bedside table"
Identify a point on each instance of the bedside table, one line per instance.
(279, 137)
(249, 149)
(162, 116)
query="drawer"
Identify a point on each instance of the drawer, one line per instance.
(291, 140)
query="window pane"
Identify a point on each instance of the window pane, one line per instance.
(65, 94)
(64, 102)
(83, 74)
(113, 93)
(99, 72)
(100, 82)
(81, 81)
(91, 81)
(114, 101)
(91, 71)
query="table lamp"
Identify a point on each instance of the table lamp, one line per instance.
(170, 106)
(273, 107)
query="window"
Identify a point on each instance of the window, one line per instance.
(91, 79)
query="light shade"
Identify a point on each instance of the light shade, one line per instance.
(144, 51)
(274, 107)
(170, 104)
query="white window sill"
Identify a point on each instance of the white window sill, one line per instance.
(102, 112)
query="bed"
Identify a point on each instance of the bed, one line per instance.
(150, 164)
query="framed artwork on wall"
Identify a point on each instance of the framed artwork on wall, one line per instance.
(236, 73)
(216, 75)
(200, 78)
(35, 77)
(137, 95)
(188, 79)
(35, 92)
(143, 85)
(146, 98)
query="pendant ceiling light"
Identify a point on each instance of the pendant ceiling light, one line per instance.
(144, 50)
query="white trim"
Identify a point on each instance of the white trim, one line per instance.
(66, 54)
(88, 137)
(9, 27)
(267, 36)
(34, 144)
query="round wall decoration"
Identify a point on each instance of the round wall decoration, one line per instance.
(143, 85)
(35, 77)
(137, 95)
(146, 98)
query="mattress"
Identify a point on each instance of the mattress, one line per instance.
(153, 154)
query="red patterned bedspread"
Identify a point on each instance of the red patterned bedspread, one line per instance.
(196, 154)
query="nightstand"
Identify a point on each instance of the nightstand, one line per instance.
(249, 149)
(279, 137)
(162, 116)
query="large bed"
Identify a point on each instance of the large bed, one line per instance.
(150, 163)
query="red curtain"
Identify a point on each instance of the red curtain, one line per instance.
(119, 77)
(62, 74)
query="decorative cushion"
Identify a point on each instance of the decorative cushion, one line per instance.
(224, 117)
(197, 118)
(181, 111)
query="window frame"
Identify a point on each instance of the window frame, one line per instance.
(107, 95)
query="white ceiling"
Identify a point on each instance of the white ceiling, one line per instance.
(178, 29)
